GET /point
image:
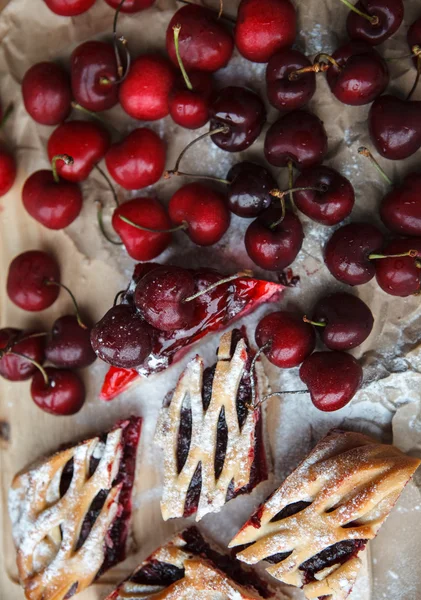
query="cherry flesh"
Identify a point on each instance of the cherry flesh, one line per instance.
(131, 6)
(284, 92)
(7, 171)
(389, 15)
(400, 276)
(16, 368)
(332, 378)
(69, 8)
(400, 209)
(191, 108)
(46, 93)
(263, 27)
(27, 277)
(63, 395)
(70, 344)
(290, 339)
(249, 189)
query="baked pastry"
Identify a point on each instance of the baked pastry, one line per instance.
(71, 513)
(190, 568)
(312, 529)
(211, 439)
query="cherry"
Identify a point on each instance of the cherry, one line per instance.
(69, 8)
(333, 378)
(145, 91)
(138, 160)
(400, 209)
(122, 337)
(330, 206)
(264, 27)
(27, 280)
(147, 212)
(286, 338)
(131, 6)
(376, 22)
(52, 202)
(249, 189)
(7, 171)
(46, 93)
(70, 344)
(30, 344)
(58, 391)
(202, 210)
(400, 276)
(205, 43)
(298, 137)
(342, 320)
(286, 92)
(274, 247)
(86, 142)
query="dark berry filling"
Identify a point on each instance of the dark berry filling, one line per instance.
(337, 554)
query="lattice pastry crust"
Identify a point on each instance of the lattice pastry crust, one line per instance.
(240, 456)
(345, 488)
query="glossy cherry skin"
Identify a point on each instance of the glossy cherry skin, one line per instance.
(46, 93)
(347, 252)
(400, 209)
(69, 8)
(122, 337)
(363, 75)
(26, 279)
(15, 368)
(291, 340)
(7, 171)
(263, 27)
(274, 249)
(138, 160)
(54, 205)
(148, 212)
(203, 209)
(243, 112)
(348, 321)
(395, 127)
(332, 378)
(85, 141)
(64, 395)
(414, 37)
(70, 344)
(90, 62)
(390, 14)
(400, 276)
(131, 6)
(160, 298)
(205, 43)
(299, 137)
(191, 108)
(249, 189)
(330, 206)
(286, 94)
(145, 91)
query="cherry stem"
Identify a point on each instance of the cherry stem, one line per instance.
(330, 59)
(256, 357)
(224, 129)
(291, 181)
(317, 67)
(183, 226)
(373, 19)
(410, 253)
(96, 116)
(177, 29)
(6, 115)
(221, 8)
(169, 174)
(315, 323)
(100, 218)
(239, 275)
(281, 195)
(117, 296)
(68, 160)
(273, 394)
(61, 285)
(116, 40)
(37, 365)
(110, 185)
(417, 78)
(366, 152)
(219, 11)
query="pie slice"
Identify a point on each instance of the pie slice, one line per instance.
(212, 441)
(71, 513)
(312, 529)
(190, 568)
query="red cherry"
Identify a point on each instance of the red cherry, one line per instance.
(147, 212)
(63, 395)
(190, 108)
(400, 276)
(400, 209)
(333, 378)
(70, 344)
(69, 8)
(46, 93)
(284, 92)
(203, 209)
(86, 142)
(16, 368)
(138, 160)
(7, 171)
(27, 277)
(290, 339)
(386, 18)
(130, 6)
(264, 27)
(145, 91)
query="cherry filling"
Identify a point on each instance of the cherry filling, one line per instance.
(333, 555)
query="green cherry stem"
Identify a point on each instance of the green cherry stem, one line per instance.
(169, 174)
(37, 365)
(177, 29)
(224, 129)
(61, 285)
(366, 152)
(68, 160)
(373, 19)
(6, 115)
(315, 323)
(239, 275)
(110, 185)
(281, 195)
(273, 394)
(329, 59)
(100, 219)
(317, 67)
(183, 226)
(410, 253)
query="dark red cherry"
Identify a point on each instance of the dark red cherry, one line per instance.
(160, 298)
(298, 137)
(290, 339)
(122, 337)
(7, 171)
(387, 16)
(274, 248)
(347, 253)
(332, 378)
(263, 27)
(63, 395)
(342, 320)
(414, 37)
(204, 211)
(329, 206)
(362, 74)
(69, 8)
(249, 189)
(400, 276)
(46, 93)
(400, 209)
(288, 93)
(70, 344)
(27, 277)
(131, 6)
(205, 43)
(191, 108)
(16, 368)
(147, 212)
